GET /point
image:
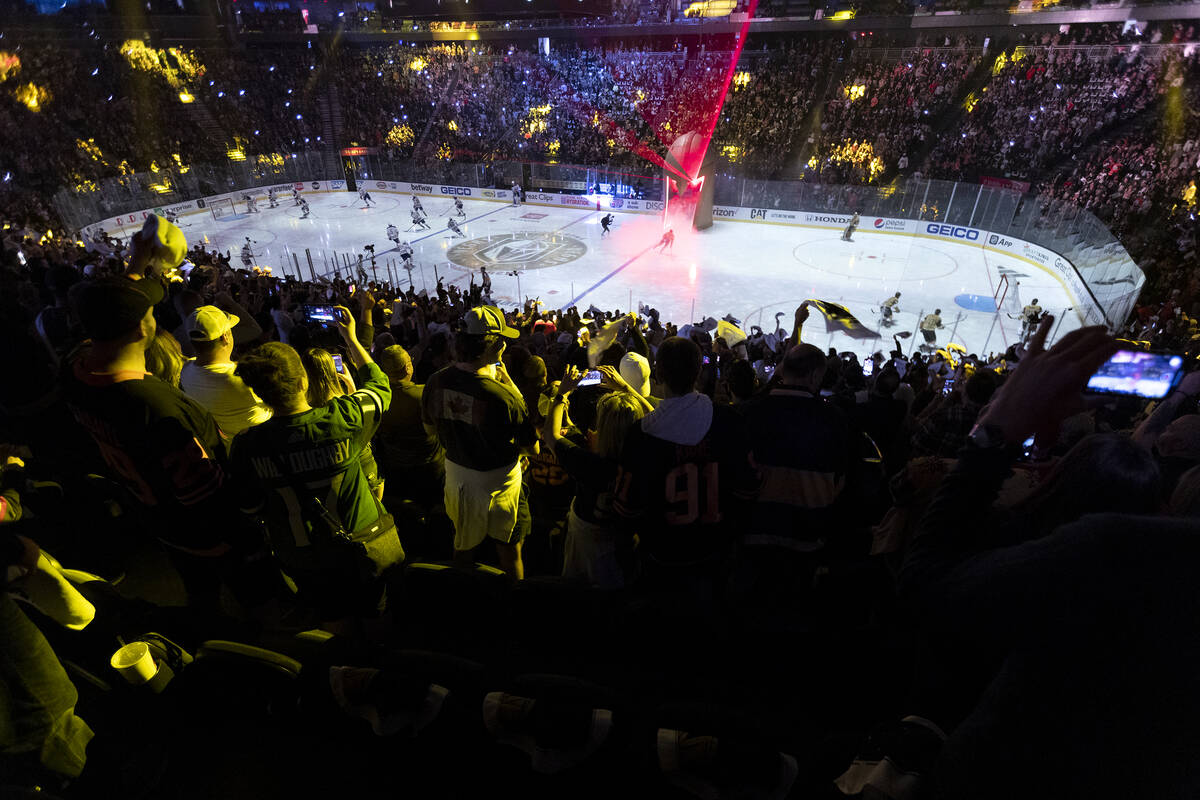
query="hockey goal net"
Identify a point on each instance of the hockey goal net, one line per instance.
(222, 209)
(1006, 296)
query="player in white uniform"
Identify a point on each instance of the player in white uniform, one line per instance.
(417, 205)
(406, 254)
(365, 196)
(458, 207)
(295, 196)
(272, 198)
(251, 203)
(849, 232)
(393, 233)
(418, 220)
(304, 206)
(452, 225)
(516, 192)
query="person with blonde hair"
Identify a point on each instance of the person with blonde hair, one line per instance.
(594, 545)
(164, 358)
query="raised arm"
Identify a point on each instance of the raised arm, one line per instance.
(798, 323)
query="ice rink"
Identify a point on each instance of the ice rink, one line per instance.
(753, 271)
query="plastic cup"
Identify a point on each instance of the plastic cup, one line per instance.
(135, 662)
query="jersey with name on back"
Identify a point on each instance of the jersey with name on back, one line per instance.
(318, 452)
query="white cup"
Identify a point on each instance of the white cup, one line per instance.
(135, 662)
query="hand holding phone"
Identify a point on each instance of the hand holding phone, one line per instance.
(322, 315)
(338, 364)
(591, 378)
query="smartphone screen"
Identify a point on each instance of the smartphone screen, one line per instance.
(1137, 374)
(868, 369)
(338, 365)
(707, 360)
(948, 386)
(319, 313)
(21, 257)
(591, 379)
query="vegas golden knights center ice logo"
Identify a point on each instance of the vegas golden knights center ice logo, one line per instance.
(529, 250)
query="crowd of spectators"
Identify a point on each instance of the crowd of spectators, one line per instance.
(890, 108)
(703, 484)
(1039, 107)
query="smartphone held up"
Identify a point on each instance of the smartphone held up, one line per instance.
(1133, 373)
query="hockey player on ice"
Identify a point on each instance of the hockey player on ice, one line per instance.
(929, 328)
(452, 225)
(458, 207)
(516, 192)
(667, 241)
(849, 232)
(171, 216)
(295, 196)
(251, 203)
(888, 308)
(247, 254)
(485, 281)
(1030, 316)
(393, 233)
(605, 222)
(304, 207)
(418, 219)
(406, 254)
(365, 196)
(417, 205)
(272, 198)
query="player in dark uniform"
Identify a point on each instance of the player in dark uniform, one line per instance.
(667, 241)
(605, 222)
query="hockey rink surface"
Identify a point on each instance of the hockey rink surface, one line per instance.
(750, 270)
